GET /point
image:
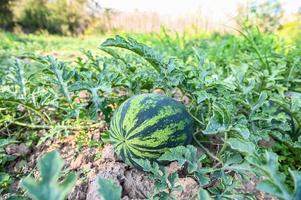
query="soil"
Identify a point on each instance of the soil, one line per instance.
(93, 162)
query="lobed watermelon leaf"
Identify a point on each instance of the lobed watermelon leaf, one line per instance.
(149, 54)
(297, 181)
(261, 100)
(241, 145)
(183, 155)
(109, 190)
(50, 166)
(203, 195)
(267, 166)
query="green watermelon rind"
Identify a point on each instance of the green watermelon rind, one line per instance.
(147, 125)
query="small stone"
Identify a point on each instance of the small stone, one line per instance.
(108, 153)
(185, 100)
(266, 143)
(76, 163)
(190, 188)
(173, 167)
(111, 170)
(17, 149)
(20, 165)
(21, 108)
(79, 191)
(159, 91)
(137, 185)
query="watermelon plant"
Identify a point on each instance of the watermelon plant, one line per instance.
(241, 93)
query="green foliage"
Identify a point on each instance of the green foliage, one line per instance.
(153, 57)
(57, 17)
(204, 195)
(5, 181)
(188, 156)
(48, 188)
(109, 190)
(267, 165)
(5, 178)
(183, 155)
(243, 92)
(256, 115)
(4, 158)
(164, 182)
(267, 14)
(6, 14)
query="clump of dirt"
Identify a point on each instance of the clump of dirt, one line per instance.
(190, 188)
(113, 170)
(270, 142)
(140, 182)
(135, 183)
(249, 186)
(17, 149)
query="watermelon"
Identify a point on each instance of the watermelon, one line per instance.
(147, 125)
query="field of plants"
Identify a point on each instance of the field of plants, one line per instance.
(243, 92)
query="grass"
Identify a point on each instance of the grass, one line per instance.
(61, 47)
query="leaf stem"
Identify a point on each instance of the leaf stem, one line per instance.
(205, 149)
(287, 110)
(34, 126)
(224, 145)
(195, 118)
(29, 107)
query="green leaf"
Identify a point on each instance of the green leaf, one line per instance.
(261, 100)
(215, 124)
(108, 189)
(266, 165)
(59, 70)
(242, 130)
(202, 178)
(175, 154)
(219, 121)
(269, 187)
(204, 195)
(144, 164)
(170, 66)
(153, 57)
(105, 137)
(241, 145)
(7, 141)
(50, 166)
(202, 95)
(297, 181)
(4, 178)
(182, 154)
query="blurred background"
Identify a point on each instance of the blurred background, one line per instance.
(88, 17)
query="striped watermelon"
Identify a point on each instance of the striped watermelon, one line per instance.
(147, 125)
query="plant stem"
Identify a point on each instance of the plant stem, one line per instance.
(206, 150)
(224, 145)
(196, 119)
(34, 126)
(287, 110)
(29, 107)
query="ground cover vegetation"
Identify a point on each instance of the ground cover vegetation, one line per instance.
(243, 92)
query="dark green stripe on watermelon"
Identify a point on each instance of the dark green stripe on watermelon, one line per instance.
(147, 125)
